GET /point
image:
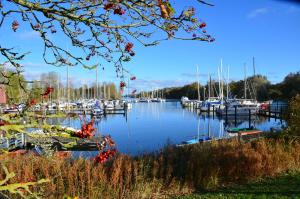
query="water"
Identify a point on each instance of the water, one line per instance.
(150, 126)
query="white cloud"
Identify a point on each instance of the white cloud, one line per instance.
(146, 85)
(194, 75)
(257, 12)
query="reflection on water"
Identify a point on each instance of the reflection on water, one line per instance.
(150, 126)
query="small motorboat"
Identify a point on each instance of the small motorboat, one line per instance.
(97, 112)
(244, 131)
(195, 141)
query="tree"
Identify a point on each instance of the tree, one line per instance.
(290, 85)
(98, 28)
(15, 88)
(293, 116)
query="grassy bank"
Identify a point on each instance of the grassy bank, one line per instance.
(172, 172)
(283, 186)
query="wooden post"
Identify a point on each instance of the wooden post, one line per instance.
(104, 110)
(226, 109)
(235, 112)
(249, 118)
(239, 137)
(269, 110)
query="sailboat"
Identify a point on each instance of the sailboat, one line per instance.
(211, 103)
(240, 106)
(186, 102)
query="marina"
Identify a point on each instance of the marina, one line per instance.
(149, 127)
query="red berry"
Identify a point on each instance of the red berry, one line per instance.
(108, 6)
(202, 25)
(15, 25)
(128, 47)
(122, 84)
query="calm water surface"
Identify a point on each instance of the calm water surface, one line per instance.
(150, 126)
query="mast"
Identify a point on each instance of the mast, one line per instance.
(58, 89)
(209, 87)
(108, 92)
(104, 90)
(68, 93)
(222, 82)
(198, 84)
(96, 93)
(88, 91)
(227, 86)
(128, 88)
(219, 83)
(254, 66)
(254, 83)
(245, 82)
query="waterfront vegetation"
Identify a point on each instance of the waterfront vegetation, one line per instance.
(169, 173)
(264, 89)
(227, 168)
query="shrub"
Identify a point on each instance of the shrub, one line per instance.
(293, 117)
(173, 171)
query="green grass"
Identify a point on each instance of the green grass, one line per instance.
(284, 186)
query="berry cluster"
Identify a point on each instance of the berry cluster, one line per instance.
(133, 78)
(128, 48)
(47, 92)
(202, 25)
(117, 9)
(32, 102)
(105, 155)
(87, 130)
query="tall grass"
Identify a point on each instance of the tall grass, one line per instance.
(172, 171)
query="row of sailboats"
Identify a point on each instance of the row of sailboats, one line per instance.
(154, 96)
(223, 105)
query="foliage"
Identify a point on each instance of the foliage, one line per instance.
(173, 171)
(290, 85)
(258, 87)
(293, 117)
(102, 28)
(15, 84)
(22, 189)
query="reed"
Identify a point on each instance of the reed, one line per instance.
(172, 171)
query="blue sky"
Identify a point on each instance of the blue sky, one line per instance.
(266, 29)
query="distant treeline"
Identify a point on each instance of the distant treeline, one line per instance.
(17, 91)
(257, 86)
